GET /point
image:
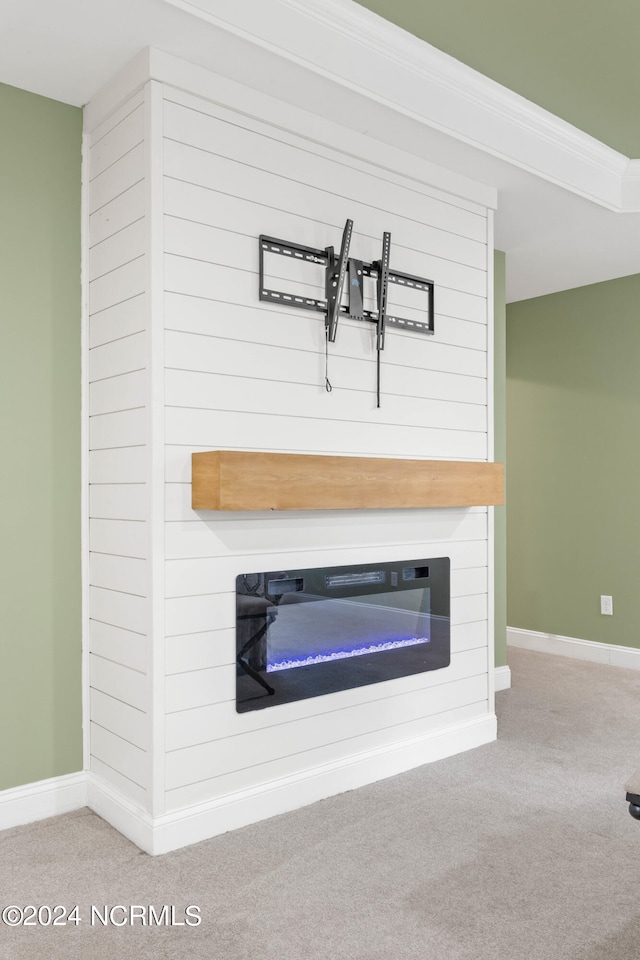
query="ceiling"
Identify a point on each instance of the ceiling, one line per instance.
(568, 198)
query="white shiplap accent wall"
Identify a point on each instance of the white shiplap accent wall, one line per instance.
(244, 374)
(118, 374)
(182, 356)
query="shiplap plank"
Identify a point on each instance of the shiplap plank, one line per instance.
(469, 635)
(125, 465)
(122, 392)
(128, 574)
(120, 755)
(117, 178)
(232, 239)
(186, 578)
(249, 328)
(216, 536)
(120, 140)
(117, 250)
(120, 609)
(279, 353)
(119, 646)
(210, 206)
(126, 428)
(265, 773)
(428, 188)
(262, 322)
(110, 360)
(124, 538)
(210, 429)
(124, 786)
(350, 357)
(118, 501)
(208, 170)
(224, 285)
(444, 273)
(121, 284)
(469, 609)
(212, 723)
(470, 581)
(214, 611)
(297, 534)
(120, 718)
(351, 366)
(114, 216)
(306, 168)
(117, 322)
(185, 691)
(119, 681)
(468, 653)
(239, 251)
(224, 755)
(114, 118)
(200, 651)
(206, 391)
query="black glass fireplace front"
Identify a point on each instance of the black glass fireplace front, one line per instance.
(304, 633)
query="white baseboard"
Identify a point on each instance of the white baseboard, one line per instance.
(184, 827)
(502, 678)
(45, 798)
(131, 821)
(613, 654)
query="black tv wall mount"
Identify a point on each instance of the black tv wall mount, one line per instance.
(340, 269)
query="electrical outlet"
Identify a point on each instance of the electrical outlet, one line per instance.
(606, 606)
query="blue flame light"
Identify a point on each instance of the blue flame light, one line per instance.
(292, 662)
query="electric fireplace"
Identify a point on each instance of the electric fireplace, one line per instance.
(305, 633)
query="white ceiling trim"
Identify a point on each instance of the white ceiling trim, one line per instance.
(346, 43)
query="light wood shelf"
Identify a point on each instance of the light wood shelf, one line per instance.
(242, 480)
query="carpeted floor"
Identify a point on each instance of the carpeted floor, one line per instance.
(520, 849)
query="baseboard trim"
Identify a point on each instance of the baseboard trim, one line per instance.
(42, 799)
(502, 678)
(131, 821)
(194, 824)
(48, 798)
(596, 652)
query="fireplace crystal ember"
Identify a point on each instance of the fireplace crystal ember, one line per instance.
(305, 633)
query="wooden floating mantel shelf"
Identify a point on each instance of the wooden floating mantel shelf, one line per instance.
(241, 480)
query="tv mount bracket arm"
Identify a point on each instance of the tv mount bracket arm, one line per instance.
(341, 268)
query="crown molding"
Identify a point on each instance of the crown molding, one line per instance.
(631, 187)
(375, 59)
(427, 85)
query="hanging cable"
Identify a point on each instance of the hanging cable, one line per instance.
(327, 382)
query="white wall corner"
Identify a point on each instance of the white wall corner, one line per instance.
(131, 821)
(502, 678)
(45, 798)
(610, 653)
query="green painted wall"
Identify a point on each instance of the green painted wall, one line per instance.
(40, 594)
(500, 449)
(573, 447)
